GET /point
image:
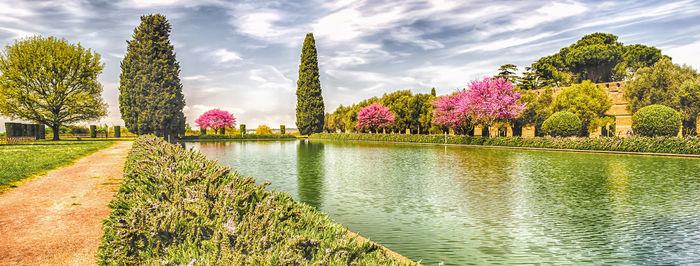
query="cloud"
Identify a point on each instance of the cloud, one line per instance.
(685, 54)
(195, 77)
(223, 55)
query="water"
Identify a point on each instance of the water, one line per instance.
(464, 205)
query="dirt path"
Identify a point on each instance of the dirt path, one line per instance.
(57, 218)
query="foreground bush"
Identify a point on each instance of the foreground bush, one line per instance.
(248, 136)
(562, 124)
(177, 207)
(656, 120)
(634, 144)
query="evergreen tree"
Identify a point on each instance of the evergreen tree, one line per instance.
(432, 92)
(151, 99)
(310, 110)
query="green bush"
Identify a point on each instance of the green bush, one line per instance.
(247, 136)
(562, 124)
(656, 120)
(687, 145)
(243, 132)
(176, 207)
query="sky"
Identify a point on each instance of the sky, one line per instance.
(243, 56)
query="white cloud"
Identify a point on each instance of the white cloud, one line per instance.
(685, 54)
(195, 77)
(225, 56)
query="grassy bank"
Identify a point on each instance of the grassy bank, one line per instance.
(635, 144)
(20, 161)
(177, 207)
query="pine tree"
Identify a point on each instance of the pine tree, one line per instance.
(310, 110)
(151, 99)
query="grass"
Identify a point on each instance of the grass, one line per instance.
(21, 161)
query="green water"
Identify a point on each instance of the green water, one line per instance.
(465, 205)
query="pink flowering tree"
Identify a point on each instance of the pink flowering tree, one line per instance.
(374, 117)
(216, 119)
(485, 102)
(447, 115)
(491, 100)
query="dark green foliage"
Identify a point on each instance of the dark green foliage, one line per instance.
(674, 145)
(538, 109)
(243, 132)
(51, 82)
(667, 84)
(117, 131)
(93, 131)
(562, 124)
(151, 99)
(248, 136)
(15, 130)
(175, 207)
(283, 130)
(509, 72)
(587, 101)
(656, 120)
(310, 108)
(432, 92)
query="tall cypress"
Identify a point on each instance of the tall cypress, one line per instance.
(151, 99)
(310, 108)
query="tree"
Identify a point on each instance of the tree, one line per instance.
(587, 101)
(432, 92)
(52, 82)
(446, 114)
(508, 72)
(263, 130)
(491, 100)
(151, 99)
(538, 109)
(667, 84)
(310, 110)
(374, 117)
(216, 119)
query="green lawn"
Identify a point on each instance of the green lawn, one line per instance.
(20, 161)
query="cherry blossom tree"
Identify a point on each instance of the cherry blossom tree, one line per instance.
(374, 117)
(446, 114)
(491, 100)
(216, 119)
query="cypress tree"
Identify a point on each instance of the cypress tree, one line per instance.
(310, 110)
(151, 99)
(432, 92)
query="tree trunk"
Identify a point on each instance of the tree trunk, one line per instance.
(55, 132)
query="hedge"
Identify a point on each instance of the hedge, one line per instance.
(176, 207)
(687, 145)
(247, 136)
(656, 120)
(562, 124)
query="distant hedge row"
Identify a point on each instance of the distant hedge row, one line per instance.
(247, 136)
(687, 145)
(175, 207)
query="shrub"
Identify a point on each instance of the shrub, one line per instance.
(688, 145)
(243, 132)
(283, 129)
(562, 124)
(246, 136)
(175, 207)
(656, 120)
(263, 130)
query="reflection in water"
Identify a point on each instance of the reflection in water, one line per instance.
(465, 205)
(310, 172)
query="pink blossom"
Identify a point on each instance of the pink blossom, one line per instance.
(485, 102)
(374, 116)
(216, 119)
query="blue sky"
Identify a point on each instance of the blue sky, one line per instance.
(243, 56)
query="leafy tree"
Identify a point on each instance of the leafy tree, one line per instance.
(374, 117)
(310, 110)
(216, 119)
(52, 82)
(151, 99)
(637, 56)
(588, 101)
(263, 130)
(446, 114)
(562, 124)
(508, 72)
(432, 92)
(656, 120)
(667, 84)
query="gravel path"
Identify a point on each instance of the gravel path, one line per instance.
(56, 218)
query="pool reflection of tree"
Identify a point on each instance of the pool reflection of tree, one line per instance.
(310, 172)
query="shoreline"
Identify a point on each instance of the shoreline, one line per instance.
(523, 148)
